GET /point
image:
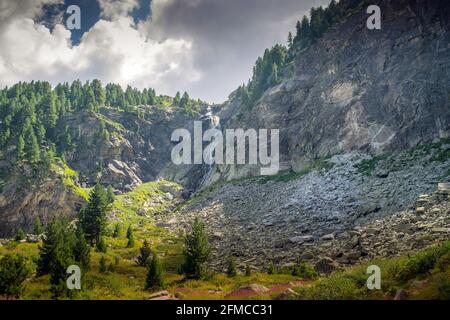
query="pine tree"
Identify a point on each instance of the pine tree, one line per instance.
(117, 230)
(231, 270)
(101, 245)
(20, 153)
(102, 265)
(130, 237)
(20, 235)
(57, 247)
(93, 216)
(184, 102)
(82, 250)
(38, 229)
(14, 270)
(248, 270)
(197, 251)
(110, 268)
(110, 195)
(155, 278)
(177, 99)
(145, 254)
(99, 92)
(290, 40)
(32, 147)
(271, 269)
(56, 254)
(274, 74)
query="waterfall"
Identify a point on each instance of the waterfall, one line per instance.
(214, 123)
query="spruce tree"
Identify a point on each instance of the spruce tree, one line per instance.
(14, 270)
(248, 270)
(56, 254)
(145, 254)
(197, 251)
(155, 278)
(82, 250)
(117, 230)
(93, 216)
(20, 235)
(231, 270)
(271, 269)
(102, 268)
(57, 247)
(20, 149)
(110, 194)
(130, 237)
(101, 245)
(38, 229)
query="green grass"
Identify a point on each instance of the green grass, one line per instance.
(368, 166)
(406, 272)
(69, 176)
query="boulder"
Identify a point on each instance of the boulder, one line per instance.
(326, 265)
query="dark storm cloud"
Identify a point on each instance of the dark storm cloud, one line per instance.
(227, 35)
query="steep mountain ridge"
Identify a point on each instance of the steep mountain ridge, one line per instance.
(358, 89)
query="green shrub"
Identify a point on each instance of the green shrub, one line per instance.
(305, 271)
(423, 262)
(14, 269)
(20, 235)
(102, 266)
(271, 269)
(444, 289)
(231, 270)
(443, 263)
(248, 270)
(333, 288)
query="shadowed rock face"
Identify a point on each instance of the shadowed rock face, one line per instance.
(361, 89)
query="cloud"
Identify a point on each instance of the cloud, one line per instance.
(112, 51)
(205, 47)
(227, 35)
(117, 8)
(11, 10)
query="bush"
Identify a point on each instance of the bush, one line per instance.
(443, 263)
(304, 271)
(14, 270)
(248, 270)
(101, 245)
(117, 230)
(20, 235)
(231, 270)
(444, 290)
(38, 229)
(423, 262)
(271, 269)
(333, 288)
(102, 265)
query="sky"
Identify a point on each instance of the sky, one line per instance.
(204, 47)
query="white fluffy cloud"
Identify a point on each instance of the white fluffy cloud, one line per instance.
(206, 47)
(117, 8)
(112, 51)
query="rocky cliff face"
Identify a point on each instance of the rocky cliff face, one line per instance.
(23, 200)
(136, 149)
(360, 89)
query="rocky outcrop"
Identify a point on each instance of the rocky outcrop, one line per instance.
(359, 89)
(21, 202)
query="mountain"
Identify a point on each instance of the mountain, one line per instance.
(364, 120)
